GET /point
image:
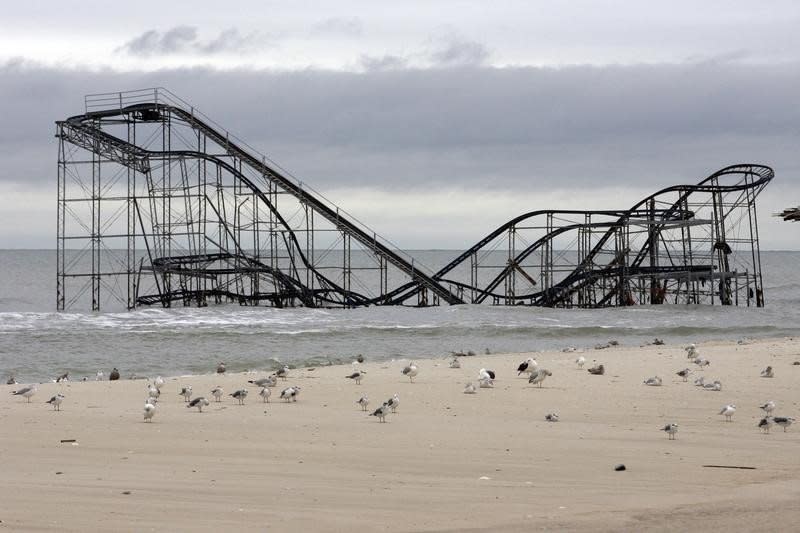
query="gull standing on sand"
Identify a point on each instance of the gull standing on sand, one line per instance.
(186, 392)
(55, 401)
(217, 393)
(701, 362)
(283, 373)
(357, 376)
(728, 411)
(783, 421)
(470, 388)
(684, 374)
(221, 367)
(158, 382)
(381, 412)
(62, 377)
(198, 402)
(714, 387)
(149, 411)
(528, 366)
(290, 393)
(483, 373)
(765, 423)
(655, 381)
(265, 393)
(26, 392)
(768, 407)
(269, 381)
(597, 370)
(99, 375)
(580, 361)
(538, 376)
(670, 430)
(239, 395)
(767, 373)
(393, 402)
(551, 417)
(153, 391)
(691, 351)
(410, 370)
(363, 402)
(114, 375)
(455, 363)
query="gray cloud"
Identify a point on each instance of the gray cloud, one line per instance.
(456, 51)
(346, 26)
(382, 63)
(184, 40)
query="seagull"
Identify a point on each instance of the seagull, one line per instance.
(670, 429)
(198, 402)
(483, 373)
(283, 372)
(470, 388)
(149, 411)
(658, 342)
(265, 393)
(217, 393)
(699, 382)
(783, 421)
(701, 362)
(63, 377)
(26, 392)
(691, 351)
(551, 417)
(569, 349)
(597, 370)
(527, 366)
(239, 395)
(221, 367)
(381, 412)
(56, 400)
(269, 381)
(486, 382)
(393, 402)
(728, 412)
(715, 387)
(357, 376)
(410, 370)
(768, 407)
(11, 380)
(290, 393)
(538, 376)
(363, 402)
(153, 391)
(765, 423)
(455, 363)
(114, 375)
(99, 375)
(684, 374)
(158, 382)
(186, 392)
(767, 373)
(580, 361)
(655, 381)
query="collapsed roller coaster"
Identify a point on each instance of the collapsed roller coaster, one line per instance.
(158, 205)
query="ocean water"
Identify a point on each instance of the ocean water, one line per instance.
(37, 343)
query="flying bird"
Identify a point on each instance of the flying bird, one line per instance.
(765, 424)
(217, 393)
(728, 412)
(597, 370)
(239, 395)
(55, 401)
(684, 374)
(381, 412)
(149, 411)
(768, 407)
(470, 388)
(767, 373)
(655, 381)
(783, 421)
(357, 376)
(265, 393)
(198, 402)
(290, 393)
(671, 430)
(393, 402)
(186, 392)
(114, 375)
(26, 392)
(527, 366)
(411, 371)
(538, 376)
(363, 402)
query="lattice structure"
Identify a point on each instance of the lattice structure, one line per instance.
(159, 205)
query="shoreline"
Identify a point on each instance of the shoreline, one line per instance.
(322, 464)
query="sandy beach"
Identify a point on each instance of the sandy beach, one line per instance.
(446, 461)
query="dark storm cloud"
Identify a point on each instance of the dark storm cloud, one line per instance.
(184, 40)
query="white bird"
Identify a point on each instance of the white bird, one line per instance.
(455, 363)
(486, 382)
(714, 387)
(198, 402)
(217, 393)
(283, 373)
(527, 366)
(538, 376)
(363, 402)
(655, 381)
(411, 371)
(765, 424)
(221, 367)
(783, 421)
(670, 430)
(357, 376)
(470, 388)
(767, 373)
(551, 417)
(56, 400)
(691, 351)
(26, 392)
(684, 374)
(290, 393)
(239, 395)
(580, 361)
(265, 393)
(483, 373)
(381, 412)
(153, 391)
(393, 402)
(269, 381)
(63, 377)
(186, 392)
(699, 382)
(149, 411)
(99, 376)
(768, 407)
(728, 412)
(158, 382)
(701, 362)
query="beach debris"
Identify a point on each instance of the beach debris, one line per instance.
(658, 342)
(767, 373)
(470, 353)
(728, 411)
(527, 366)
(357, 376)
(783, 421)
(620, 468)
(455, 363)
(381, 412)
(265, 393)
(484, 478)
(731, 466)
(691, 351)
(569, 349)
(26, 392)
(654, 381)
(765, 424)
(269, 381)
(613, 342)
(149, 411)
(290, 394)
(63, 377)
(186, 392)
(551, 417)
(239, 395)
(198, 402)
(597, 370)
(716, 386)
(580, 361)
(217, 393)
(538, 376)
(65, 441)
(410, 370)
(470, 388)
(283, 373)
(768, 407)
(363, 402)
(114, 375)
(684, 374)
(670, 430)
(221, 367)
(601, 346)
(393, 402)
(487, 351)
(55, 401)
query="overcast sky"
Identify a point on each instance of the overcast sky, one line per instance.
(433, 122)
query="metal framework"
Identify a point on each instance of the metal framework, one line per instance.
(159, 205)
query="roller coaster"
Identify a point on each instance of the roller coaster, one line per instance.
(159, 205)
